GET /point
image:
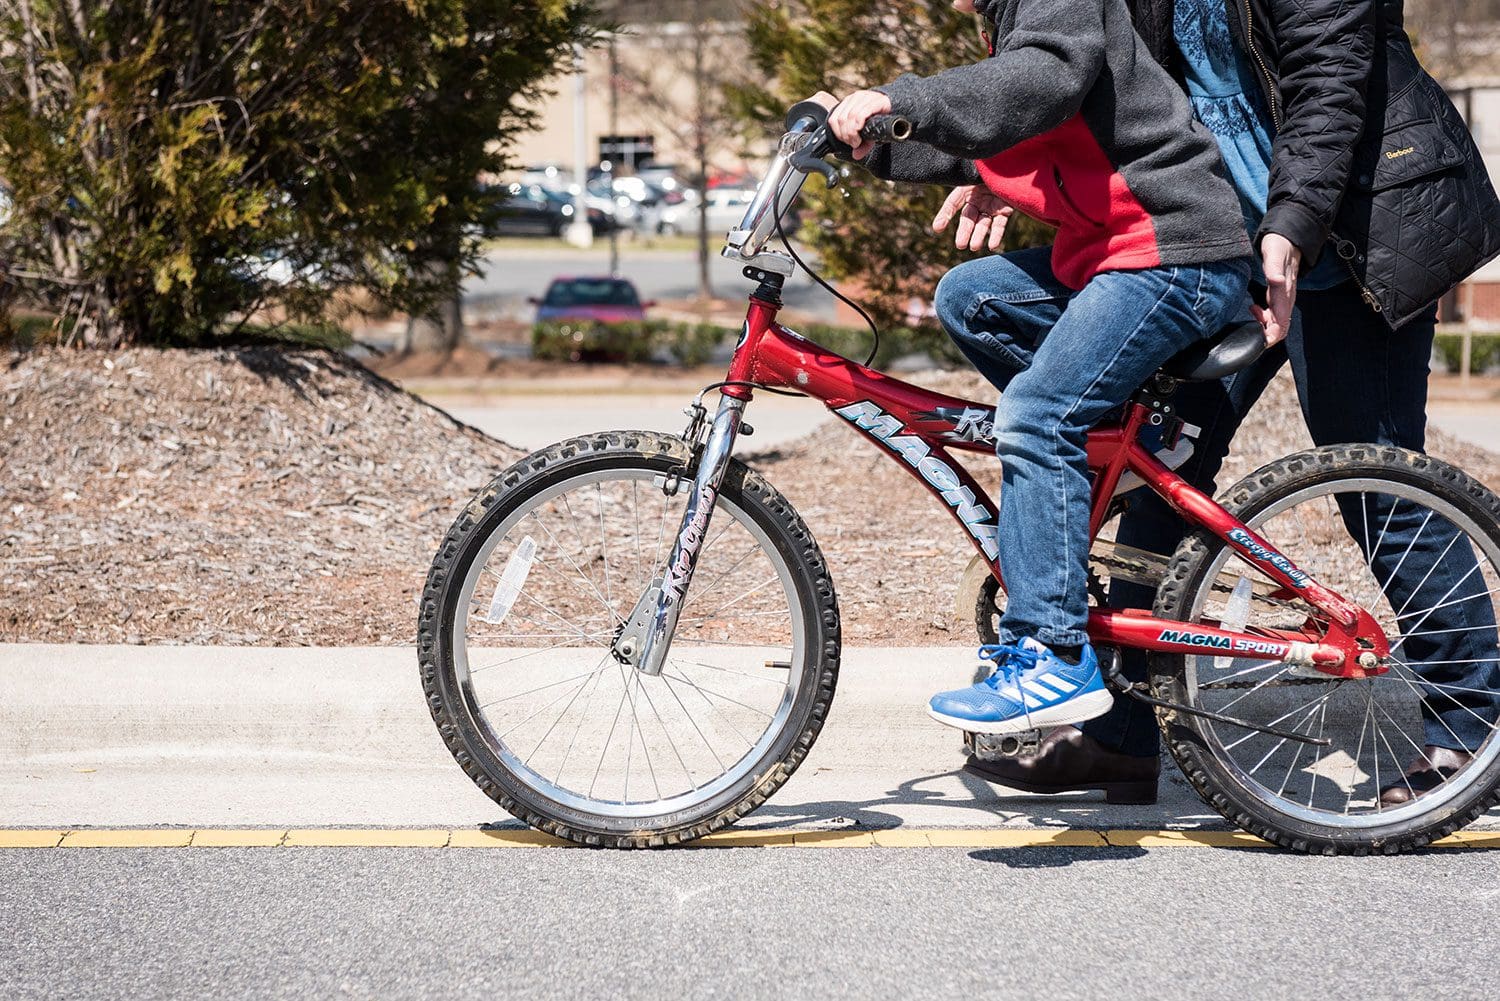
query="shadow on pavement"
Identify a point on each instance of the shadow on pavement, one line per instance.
(959, 799)
(1046, 857)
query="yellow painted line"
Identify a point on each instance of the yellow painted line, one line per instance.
(504, 839)
(389, 838)
(238, 838)
(133, 838)
(900, 837)
(30, 839)
(747, 838)
(1184, 839)
(833, 839)
(1469, 839)
(1062, 837)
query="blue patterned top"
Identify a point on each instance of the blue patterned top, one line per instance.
(1227, 99)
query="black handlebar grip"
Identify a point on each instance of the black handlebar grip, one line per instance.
(886, 129)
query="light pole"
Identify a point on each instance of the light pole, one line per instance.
(580, 233)
(614, 132)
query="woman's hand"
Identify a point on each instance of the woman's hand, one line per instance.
(982, 218)
(852, 113)
(1281, 261)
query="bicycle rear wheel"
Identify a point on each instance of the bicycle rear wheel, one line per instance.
(537, 578)
(1417, 543)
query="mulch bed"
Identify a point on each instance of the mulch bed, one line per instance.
(264, 497)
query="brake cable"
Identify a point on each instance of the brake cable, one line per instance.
(874, 330)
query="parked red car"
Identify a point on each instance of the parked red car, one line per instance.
(599, 300)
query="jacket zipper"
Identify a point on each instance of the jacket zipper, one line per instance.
(1345, 248)
(1346, 251)
(1264, 71)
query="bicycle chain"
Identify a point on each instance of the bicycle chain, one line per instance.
(1096, 587)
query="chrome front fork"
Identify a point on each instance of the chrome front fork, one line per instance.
(647, 635)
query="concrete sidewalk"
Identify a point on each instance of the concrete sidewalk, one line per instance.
(255, 736)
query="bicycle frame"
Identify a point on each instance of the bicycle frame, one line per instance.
(918, 427)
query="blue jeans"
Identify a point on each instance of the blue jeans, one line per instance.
(1358, 382)
(1064, 359)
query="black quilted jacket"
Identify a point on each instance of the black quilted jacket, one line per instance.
(1371, 158)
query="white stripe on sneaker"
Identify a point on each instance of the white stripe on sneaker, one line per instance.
(1062, 685)
(1041, 690)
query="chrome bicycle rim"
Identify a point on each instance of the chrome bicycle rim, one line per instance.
(1377, 725)
(562, 714)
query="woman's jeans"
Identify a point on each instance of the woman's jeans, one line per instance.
(1065, 359)
(1358, 382)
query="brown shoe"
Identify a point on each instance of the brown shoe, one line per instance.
(1435, 766)
(1071, 761)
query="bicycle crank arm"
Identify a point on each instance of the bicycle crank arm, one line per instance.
(1121, 684)
(645, 642)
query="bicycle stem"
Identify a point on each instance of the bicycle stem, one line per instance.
(655, 640)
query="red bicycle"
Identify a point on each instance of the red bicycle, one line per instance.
(632, 639)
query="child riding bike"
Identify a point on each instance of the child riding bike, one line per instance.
(1069, 121)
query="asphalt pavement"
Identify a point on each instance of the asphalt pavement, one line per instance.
(746, 923)
(508, 276)
(1048, 896)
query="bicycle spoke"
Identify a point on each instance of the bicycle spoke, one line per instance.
(715, 694)
(651, 704)
(584, 715)
(604, 547)
(635, 508)
(694, 723)
(1296, 757)
(556, 646)
(733, 601)
(538, 747)
(534, 715)
(1359, 750)
(711, 667)
(1322, 699)
(1405, 553)
(608, 607)
(709, 702)
(1428, 575)
(1418, 679)
(1437, 716)
(604, 751)
(1312, 789)
(539, 688)
(1258, 686)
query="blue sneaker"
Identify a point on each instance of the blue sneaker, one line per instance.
(1031, 687)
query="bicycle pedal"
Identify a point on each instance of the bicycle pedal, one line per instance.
(999, 746)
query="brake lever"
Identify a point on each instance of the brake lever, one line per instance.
(809, 158)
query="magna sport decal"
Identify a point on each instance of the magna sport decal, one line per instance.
(894, 435)
(1216, 642)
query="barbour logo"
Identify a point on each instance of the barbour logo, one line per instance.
(1397, 154)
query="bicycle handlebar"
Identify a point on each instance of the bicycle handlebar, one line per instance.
(807, 124)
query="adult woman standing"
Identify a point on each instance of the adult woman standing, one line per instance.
(1368, 201)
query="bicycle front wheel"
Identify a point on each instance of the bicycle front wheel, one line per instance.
(538, 577)
(1416, 542)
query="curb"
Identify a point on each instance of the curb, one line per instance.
(404, 837)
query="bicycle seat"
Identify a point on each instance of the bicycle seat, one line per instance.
(1235, 347)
